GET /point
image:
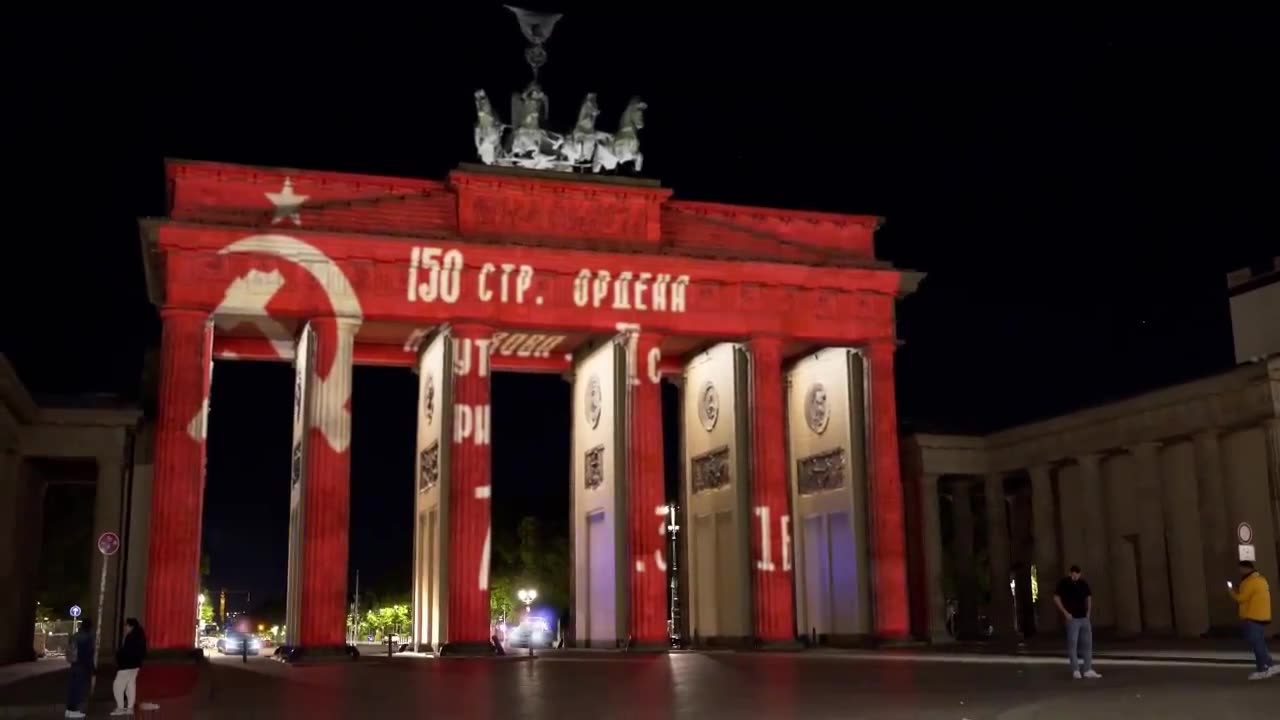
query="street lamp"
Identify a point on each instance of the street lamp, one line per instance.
(673, 573)
(527, 596)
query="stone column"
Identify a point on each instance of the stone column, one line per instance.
(646, 493)
(107, 517)
(1096, 542)
(888, 537)
(1125, 583)
(962, 559)
(772, 604)
(1271, 430)
(1217, 534)
(931, 526)
(322, 608)
(1185, 548)
(1153, 569)
(13, 615)
(1048, 565)
(998, 556)
(177, 493)
(471, 467)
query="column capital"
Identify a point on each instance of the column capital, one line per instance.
(471, 330)
(1145, 448)
(1208, 434)
(1042, 470)
(1090, 460)
(766, 346)
(347, 324)
(882, 344)
(170, 312)
(343, 325)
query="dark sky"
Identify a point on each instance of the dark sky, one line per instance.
(1075, 187)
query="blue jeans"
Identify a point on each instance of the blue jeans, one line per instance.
(1255, 633)
(78, 689)
(1080, 633)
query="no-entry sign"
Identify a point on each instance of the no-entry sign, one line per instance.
(109, 543)
(1244, 533)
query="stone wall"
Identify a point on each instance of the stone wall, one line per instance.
(1146, 494)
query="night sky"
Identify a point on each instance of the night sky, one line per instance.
(1075, 188)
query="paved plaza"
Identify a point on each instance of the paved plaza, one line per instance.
(715, 685)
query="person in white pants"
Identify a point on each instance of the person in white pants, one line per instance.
(133, 648)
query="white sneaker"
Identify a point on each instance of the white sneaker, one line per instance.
(1076, 675)
(73, 714)
(1092, 675)
(148, 706)
(1273, 671)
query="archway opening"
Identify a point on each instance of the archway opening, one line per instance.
(530, 509)
(244, 555)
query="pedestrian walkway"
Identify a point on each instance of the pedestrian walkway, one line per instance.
(18, 672)
(1230, 651)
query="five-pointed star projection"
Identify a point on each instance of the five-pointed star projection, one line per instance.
(287, 203)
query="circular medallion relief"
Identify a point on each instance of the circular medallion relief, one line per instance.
(428, 397)
(595, 402)
(817, 410)
(708, 405)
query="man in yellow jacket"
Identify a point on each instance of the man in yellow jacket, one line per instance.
(1254, 598)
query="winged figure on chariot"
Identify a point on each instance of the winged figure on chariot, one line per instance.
(527, 141)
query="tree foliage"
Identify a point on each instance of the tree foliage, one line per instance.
(206, 608)
(390, 619)
(528, 557)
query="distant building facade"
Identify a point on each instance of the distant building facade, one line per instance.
(1148, 495)
(1255, 310)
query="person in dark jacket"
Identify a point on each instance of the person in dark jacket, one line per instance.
(133, 649)
(80, 653)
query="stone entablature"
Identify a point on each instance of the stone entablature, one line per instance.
(1242, 397)
(546, 208)
(16, 406)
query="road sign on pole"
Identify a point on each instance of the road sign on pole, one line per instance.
(108, 543)
(1244, 533)
(75, 611)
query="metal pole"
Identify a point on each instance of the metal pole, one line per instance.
(526, 614)
(355, 631)
(97, 631)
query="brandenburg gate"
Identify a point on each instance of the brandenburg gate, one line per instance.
(778, 325)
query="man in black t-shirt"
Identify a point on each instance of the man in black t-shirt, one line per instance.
(1075, 601)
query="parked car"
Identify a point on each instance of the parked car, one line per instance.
(238, 644)
(531, 632)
